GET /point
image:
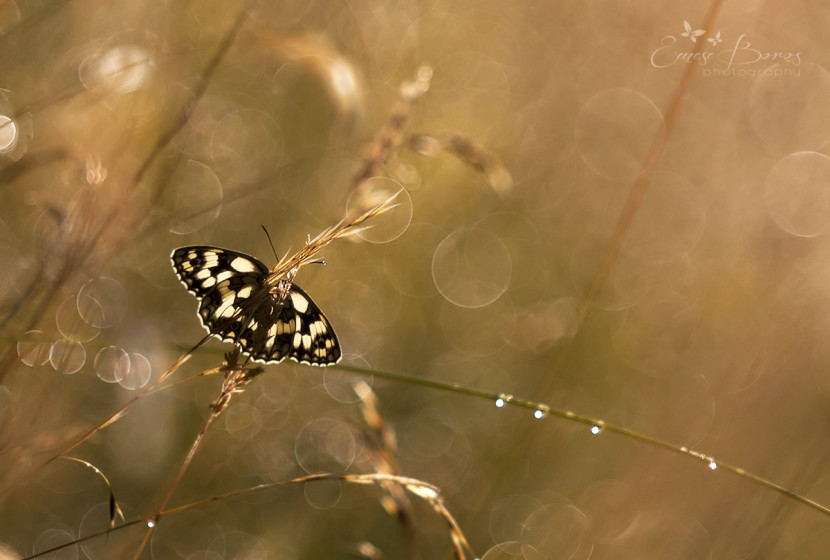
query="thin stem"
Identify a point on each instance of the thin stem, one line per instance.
(544, 410)
(418, 487)
(179, 475)
(149, 389)
(639, 188)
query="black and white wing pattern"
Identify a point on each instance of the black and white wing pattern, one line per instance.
(235, 306)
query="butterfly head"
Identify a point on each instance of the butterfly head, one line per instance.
(282, 285)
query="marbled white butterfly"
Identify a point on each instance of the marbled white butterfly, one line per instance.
(266, 315)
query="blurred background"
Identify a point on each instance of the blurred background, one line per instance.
(619, 209)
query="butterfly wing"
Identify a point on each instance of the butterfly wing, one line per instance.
(294, 328)
(222, 281)
(234, 307)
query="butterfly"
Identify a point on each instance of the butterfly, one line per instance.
(240, 301)
(692, 34)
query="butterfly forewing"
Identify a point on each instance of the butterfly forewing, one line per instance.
(223, 281)
(235, 306)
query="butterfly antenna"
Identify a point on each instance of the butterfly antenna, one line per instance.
(271, 243)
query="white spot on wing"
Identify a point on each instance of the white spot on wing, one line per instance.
(242, 265)
(227, 308)
(245, 292)
(300, 302)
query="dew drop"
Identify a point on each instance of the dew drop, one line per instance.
(500, 402)
(713, 465)
(503, 399)
(541, 411)
(151, 524)
(595, 429)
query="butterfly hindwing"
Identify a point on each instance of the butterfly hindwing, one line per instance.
(234, 307)
(297, 329)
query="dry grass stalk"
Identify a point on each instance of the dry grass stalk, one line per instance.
(391, 136)
(382, 443)
(99, 221)
(82, 232)
(382, 434)
(115, 509)
(427, 492)
(288, 266)
(475, 155)
(236, 377)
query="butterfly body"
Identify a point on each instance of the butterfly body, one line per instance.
(241, 301)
